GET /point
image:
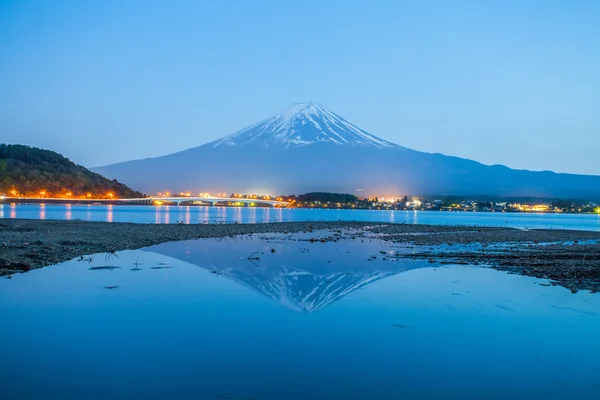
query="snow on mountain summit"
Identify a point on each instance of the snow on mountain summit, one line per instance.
(303, 124)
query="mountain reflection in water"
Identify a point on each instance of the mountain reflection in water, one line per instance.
(300, 275)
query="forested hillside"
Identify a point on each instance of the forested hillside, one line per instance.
(30, 171)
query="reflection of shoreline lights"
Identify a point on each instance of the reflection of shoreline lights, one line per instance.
(109, 213)
(201, 214)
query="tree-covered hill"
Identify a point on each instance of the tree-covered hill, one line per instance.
(30, 171)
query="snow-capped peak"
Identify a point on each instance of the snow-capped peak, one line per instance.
(303, 124)
(303, 291)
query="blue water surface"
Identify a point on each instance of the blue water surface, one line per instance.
(195, 215)
(272, 317)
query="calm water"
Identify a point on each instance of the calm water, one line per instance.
(195, 215)
(200, 320)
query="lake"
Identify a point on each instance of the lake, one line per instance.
(275, 317)
(202, 215)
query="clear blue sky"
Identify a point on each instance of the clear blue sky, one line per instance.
(508, 82)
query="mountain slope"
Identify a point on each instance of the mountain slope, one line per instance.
(29, 170)
(307, 148)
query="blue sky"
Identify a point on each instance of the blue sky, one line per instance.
(504, 82)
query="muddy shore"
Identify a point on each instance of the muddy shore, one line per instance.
(571, 260)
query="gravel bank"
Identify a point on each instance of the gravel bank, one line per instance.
(29, 244)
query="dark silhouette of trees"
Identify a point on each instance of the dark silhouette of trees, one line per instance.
(562, 204)
(327, 197)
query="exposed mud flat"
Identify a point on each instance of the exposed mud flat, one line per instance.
(565, 257)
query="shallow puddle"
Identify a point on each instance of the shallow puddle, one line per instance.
(283, 317)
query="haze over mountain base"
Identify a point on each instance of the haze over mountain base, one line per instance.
(308, 148)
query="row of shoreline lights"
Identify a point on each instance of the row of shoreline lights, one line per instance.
(188, 194)
(43, 193)
(222, 195)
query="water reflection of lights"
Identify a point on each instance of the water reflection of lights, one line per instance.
(237, 215)
(279, 214)
(202, 215)
(221, 213)
(109, 213)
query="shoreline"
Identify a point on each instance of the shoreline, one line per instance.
(104, 202)
(541, 253)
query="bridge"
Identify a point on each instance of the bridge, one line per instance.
(205, 199)
(150, 200)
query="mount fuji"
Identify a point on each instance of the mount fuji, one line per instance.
(303, 124)
(307, 147)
